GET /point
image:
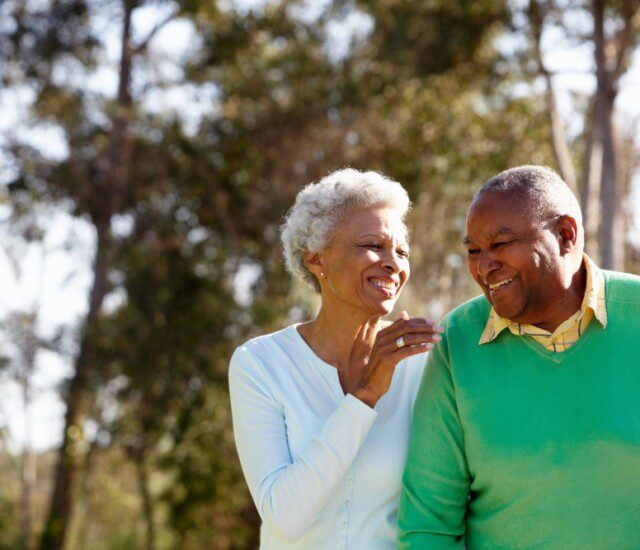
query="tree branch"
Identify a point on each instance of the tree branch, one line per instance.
(558, 135)
(145, 43)
(625, 39)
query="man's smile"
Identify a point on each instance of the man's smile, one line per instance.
(504, 284)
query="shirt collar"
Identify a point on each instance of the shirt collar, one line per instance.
(594, 299)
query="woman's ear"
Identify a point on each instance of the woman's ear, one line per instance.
(314, 263)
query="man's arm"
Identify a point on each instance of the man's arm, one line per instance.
(435, 485)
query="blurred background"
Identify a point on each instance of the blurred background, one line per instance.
(148, 151)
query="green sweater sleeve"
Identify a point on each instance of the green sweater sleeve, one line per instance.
(435, 485)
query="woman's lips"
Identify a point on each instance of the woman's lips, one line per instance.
(386, 288)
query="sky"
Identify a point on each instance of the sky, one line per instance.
(58, 277)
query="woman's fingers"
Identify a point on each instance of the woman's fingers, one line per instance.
(412, 339)
(411, 324)
(411, 332)
(408, 351)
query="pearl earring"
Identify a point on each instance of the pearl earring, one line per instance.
(322, 274)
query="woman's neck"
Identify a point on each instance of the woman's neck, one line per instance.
(342, 339)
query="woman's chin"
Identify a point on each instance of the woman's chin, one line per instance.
(385, 307)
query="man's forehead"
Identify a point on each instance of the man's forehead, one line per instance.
(503, 209)
(491, 217)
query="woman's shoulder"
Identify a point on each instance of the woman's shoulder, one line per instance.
(263, 348)
(415, 364)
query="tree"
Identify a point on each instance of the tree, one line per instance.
(616, 31)
(186, 216)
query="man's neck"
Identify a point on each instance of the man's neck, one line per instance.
(568, 301)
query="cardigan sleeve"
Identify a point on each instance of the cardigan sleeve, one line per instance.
(289, 495)
(436, 481)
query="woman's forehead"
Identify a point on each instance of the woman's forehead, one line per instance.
(382, 221)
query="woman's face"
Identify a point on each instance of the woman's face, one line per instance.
(366, 263)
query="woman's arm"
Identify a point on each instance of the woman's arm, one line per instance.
(289, 495)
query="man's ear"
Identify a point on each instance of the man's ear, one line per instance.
(314, 263)
(568, 233)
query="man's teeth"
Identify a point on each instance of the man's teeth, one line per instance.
(501, 283)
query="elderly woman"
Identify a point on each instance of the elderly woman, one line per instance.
(322, 410)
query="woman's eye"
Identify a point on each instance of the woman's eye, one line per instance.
(403, 253)
(375, 246)
(473, 251)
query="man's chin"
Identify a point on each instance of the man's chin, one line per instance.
(507, 311)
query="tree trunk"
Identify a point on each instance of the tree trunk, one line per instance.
(61, 501)
(108, 201)
(85, 494)
(559, 143)
(611, 238)
(558, 138)
(590, 189)
(27, 470)
(139, 456)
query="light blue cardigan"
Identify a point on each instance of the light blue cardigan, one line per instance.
(324, 469)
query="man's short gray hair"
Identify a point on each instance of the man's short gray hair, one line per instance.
(320, 206)
(545, 192)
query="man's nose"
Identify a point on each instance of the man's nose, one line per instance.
(487, 263)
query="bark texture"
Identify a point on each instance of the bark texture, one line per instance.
(109, 196)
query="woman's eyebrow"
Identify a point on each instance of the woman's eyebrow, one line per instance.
(375, 235)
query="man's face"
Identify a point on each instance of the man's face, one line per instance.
(515, 258)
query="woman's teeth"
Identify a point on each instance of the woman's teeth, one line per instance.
(389, 287)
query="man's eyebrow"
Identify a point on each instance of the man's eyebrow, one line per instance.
(499, 231)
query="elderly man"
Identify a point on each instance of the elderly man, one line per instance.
(526, 429)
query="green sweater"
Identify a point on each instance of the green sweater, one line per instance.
(514, 446)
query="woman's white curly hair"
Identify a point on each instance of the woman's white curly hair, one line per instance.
(320, 206)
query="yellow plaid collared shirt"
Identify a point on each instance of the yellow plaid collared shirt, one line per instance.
(568, 331)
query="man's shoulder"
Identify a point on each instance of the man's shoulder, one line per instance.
(622, 287)
(472, 312)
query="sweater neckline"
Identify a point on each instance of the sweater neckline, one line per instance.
(327, 371)
(560, 357)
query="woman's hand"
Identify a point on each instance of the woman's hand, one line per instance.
(416, 333)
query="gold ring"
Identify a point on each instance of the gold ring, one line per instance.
(400, 342)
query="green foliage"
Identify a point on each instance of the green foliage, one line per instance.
(418, 99)
(424, 38)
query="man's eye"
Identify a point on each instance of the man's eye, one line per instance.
(499, 244)
(375, 246)
(473, 251)
(403, 253)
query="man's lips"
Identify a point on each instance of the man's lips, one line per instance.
(500, 286)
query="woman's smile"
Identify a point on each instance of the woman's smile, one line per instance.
(386, 287)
